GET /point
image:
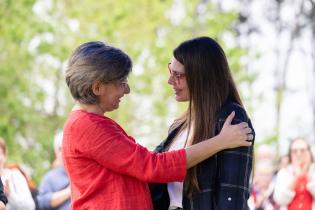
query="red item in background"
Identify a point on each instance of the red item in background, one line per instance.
(303, 198)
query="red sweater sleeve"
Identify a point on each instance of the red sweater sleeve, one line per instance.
(105, 142)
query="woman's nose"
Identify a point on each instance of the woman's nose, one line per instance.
(170, 80)
(127, 89)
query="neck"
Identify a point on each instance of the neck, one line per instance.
(93, 108)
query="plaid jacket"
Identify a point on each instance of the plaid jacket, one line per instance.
(223, 178)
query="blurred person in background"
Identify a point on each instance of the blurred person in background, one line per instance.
(15, 184)
(3, 198)
(265, 153)
(283, 161)
(54, 190)
(263, 187)
(295, 184)
(31, 184)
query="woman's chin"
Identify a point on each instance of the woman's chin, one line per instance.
(180, 99)
(116, 106)
(113, 107)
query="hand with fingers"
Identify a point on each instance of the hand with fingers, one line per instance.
(236, 135)
(2, 206)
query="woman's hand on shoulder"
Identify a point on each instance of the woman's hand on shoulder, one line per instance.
(2, 206)
(235, 135)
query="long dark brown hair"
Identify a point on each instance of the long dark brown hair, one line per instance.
(210, 85)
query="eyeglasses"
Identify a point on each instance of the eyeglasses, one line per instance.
(301, 150)
(123, 83)
(175, 74)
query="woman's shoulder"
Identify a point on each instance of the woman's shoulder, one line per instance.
(229, 107)
(83, 125)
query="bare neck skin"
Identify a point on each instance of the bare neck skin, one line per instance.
(93, 108)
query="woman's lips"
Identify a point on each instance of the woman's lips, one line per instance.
(176, 91)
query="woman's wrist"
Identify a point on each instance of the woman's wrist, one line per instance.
(218, 142)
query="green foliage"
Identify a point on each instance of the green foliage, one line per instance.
(35, 44)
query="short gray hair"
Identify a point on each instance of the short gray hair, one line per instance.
(95, 61)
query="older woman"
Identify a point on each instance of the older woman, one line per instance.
(295, 184)
(107, 168)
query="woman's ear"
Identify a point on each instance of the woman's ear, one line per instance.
(96, 88)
